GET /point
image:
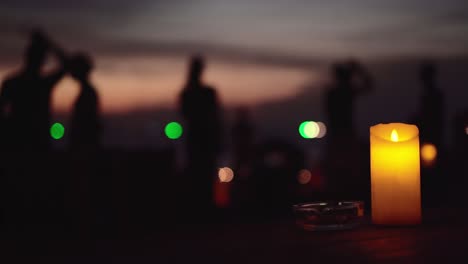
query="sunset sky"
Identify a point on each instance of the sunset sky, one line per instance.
(256, 50)
(270, 55)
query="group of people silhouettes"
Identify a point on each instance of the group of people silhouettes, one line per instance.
(344, 154)
(25, 115)
(25, 99)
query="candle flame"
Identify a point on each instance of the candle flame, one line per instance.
(394, 136)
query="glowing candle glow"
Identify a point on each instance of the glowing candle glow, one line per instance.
(428, 154)
(395, 174)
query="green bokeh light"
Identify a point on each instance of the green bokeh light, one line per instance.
(301, 129)
(57, 131)
(173, 130)
(309, 129)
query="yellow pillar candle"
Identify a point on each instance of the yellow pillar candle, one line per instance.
(395, 178)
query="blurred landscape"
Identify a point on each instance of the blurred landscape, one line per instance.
(273, 59)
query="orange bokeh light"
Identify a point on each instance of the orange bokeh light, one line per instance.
(428, 153)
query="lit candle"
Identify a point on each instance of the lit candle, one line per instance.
(395, 178)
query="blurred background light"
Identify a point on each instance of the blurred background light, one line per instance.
(322, 130)
(57, 130)
(428, 153)
(225, 174)
(309, 129)
(173, 130)
(304, 176)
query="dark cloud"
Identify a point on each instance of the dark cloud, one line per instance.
(56, 5)
(64, 17)
(415, 25)
(93, 25)
(225, 52)
(80, 39)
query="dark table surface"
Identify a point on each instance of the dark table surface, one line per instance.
(442, 238)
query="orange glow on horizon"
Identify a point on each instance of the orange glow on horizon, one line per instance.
(136, 82)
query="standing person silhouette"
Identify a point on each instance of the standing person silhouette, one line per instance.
(25, 97)
(432, 106)
(200, 108)
(25, 109)
(243, 148)
(342, 153)
(85, 122)
(87, 190)
(431, 127)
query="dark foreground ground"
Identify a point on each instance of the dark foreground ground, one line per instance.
(130, 207)
(438, 240)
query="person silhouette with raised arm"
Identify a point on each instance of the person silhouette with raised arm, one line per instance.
(350, 80)
(200, 108)
(343, 153)
(85, 121)
(25, 96)
(25, 99)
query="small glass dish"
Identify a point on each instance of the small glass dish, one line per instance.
(318, 216)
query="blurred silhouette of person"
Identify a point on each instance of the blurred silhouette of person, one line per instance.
(200, 108)
(242, 133)
(25, 97)
(85, 121)
(25, 111)
(88, 188)
(244, 152)
(457, 168)
(343, 157)
(350, 80)
(432, 106)
(275, 168)
(431, 125)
